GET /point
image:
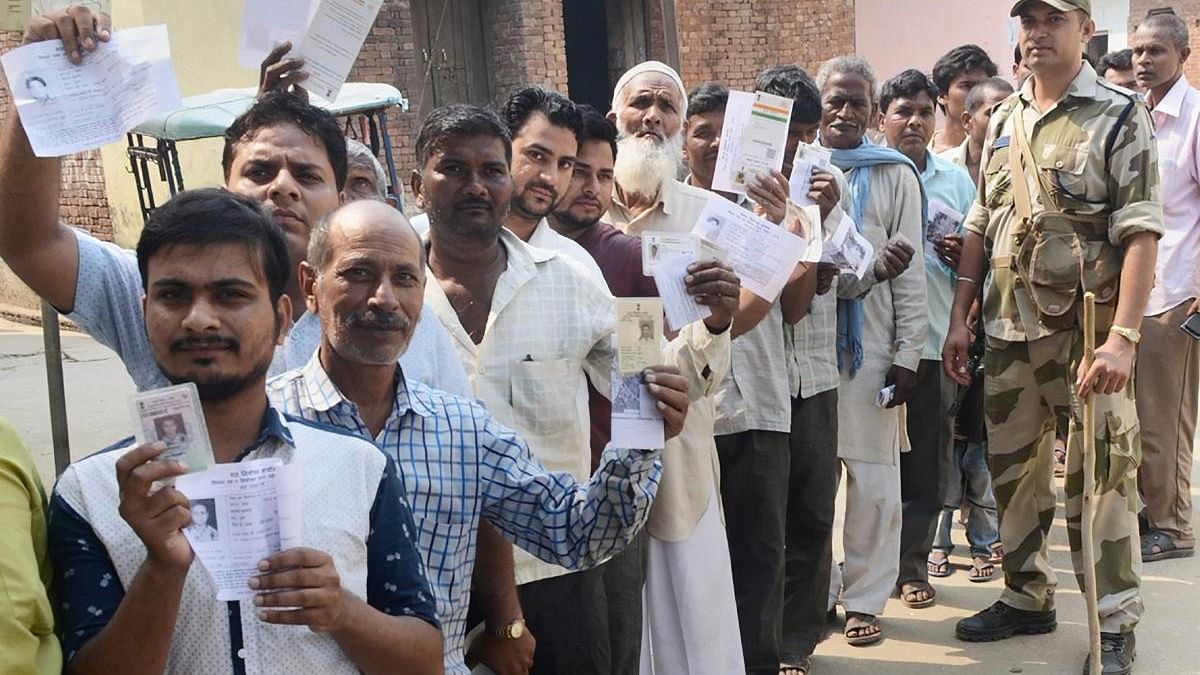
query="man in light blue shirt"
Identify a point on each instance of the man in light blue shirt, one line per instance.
(907, 109)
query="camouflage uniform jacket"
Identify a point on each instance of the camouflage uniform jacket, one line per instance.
(1068, 143)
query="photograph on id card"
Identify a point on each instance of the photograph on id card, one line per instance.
(660, 246)
(639, 327)
(173, 416)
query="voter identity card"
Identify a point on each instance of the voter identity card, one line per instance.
(639, 328)
(173, 416)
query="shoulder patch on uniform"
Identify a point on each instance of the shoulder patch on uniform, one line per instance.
(1002, 142)
(1124, 93)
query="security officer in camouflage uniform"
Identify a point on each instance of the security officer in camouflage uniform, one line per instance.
(1068, 203)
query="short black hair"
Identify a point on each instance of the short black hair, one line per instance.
(706, 98)
(280, 107)
(597, 127)
(792, 81)
(460, 119)
(906, 85)
(524, 102)
(1119, 60)
(209, 216)
(961, 60)
(1017, 55)
(979, 92)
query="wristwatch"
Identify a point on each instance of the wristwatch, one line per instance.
(1130, 334)
(512, 630)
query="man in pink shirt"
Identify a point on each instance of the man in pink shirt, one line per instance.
(1167, 382)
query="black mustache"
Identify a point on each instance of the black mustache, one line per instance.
(209, 341)
(379, 321)
(542, 186)
(474, 203)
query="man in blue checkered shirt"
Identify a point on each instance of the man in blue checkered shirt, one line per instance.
(365, 278)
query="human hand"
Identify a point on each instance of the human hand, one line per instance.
(504, 656)
(79, 28)
(893, 260)
(826, 272)
(956, 352)
(825, 191)
(1109, 371)
(714, 285)
(157, 519)
(770, 195)
(669, 388)
(305, 581)
(906, 384)
(279, 74)
(949, 250)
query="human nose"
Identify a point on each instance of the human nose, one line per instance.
(201, 317)
(385, 297)
(284, 185)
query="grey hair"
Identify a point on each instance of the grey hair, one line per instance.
(1173, 24)
(318, 253)
(357, 153)
(850, 64)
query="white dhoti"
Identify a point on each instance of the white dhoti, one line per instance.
(870, 537)
(689, 620)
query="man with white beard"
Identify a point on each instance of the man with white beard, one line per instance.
(690, 616)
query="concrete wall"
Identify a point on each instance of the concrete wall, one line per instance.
(1112, 17)
(1189, 10)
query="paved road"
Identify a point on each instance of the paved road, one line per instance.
(918, 641)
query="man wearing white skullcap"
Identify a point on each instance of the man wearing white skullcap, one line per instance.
(690, 616)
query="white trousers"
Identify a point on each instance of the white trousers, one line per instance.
(870, 537)
(689, 615)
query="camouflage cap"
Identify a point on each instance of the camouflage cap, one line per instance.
(1061, 5)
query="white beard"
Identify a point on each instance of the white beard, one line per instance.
(643, 164)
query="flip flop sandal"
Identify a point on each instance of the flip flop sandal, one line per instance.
(997, 556)
(864, 622)
(939, 568)
(801, 667)
(915, 587)
(981, 570)
(1060, 460)
(1158, 545)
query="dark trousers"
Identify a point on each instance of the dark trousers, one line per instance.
(567, 617)
(931, 435)
(812, 487)
(754, 493)
(623, 578)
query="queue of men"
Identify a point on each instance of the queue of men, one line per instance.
(449, 377)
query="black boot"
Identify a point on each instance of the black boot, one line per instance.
(1117, 652)
(1001, 621)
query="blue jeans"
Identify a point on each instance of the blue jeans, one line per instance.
(974, 484)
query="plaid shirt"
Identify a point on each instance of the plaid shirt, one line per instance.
(458, 464)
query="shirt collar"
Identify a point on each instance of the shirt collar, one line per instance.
(1085, 85)
(935, 165)
(272, 429)
(1172, 103)
(664, 201)
(323, 395)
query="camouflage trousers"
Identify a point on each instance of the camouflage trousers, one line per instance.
(1028, 388)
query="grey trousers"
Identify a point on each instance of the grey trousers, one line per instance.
(931, 435)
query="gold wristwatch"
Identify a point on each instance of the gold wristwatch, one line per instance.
(1130, 334)
(512, 630)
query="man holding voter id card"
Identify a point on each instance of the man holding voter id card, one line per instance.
(131, 596)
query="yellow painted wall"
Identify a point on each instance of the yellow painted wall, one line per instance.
(203, 38)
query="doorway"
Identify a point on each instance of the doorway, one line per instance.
(604, 39)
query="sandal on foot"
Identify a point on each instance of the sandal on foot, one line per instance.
(910, 594)
(862, 629)
(1060, 459)
(939, 567)
(982, 569)
(800, 667)
(1157, 545)
(997, 555)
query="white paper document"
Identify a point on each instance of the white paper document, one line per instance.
(805, 222)
(14, 14)
(848, 250)
(680, 308)
(242, 512)
(753, 138)
(943, 220)
(67, 108)
(809, 158)
(266, 24)
(331, 45)
(636, 422)
(762, 254)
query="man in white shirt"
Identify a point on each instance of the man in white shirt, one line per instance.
(1166, 383)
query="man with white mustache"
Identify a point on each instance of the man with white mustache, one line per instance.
(690, 617)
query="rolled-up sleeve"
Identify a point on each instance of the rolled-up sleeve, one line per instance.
(1134, 181)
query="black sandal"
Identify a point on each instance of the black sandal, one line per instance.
(1157, 545)
(908, 591)
(866, 627)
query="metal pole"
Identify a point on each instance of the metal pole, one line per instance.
(55, 388)
(1089, 489)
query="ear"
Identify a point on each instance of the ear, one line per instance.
(414, 184)
(342, 198)
(1089, 29)
(1184, 54)
(968, 121)
(308, 286)
(611, 116)
(283, 318)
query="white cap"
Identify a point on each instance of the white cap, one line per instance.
(649, 67)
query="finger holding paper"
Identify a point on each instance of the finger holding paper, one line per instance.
(825, 192)
(277, 73)
(305, 581)
(770, 195)
(157, 518)
(669, 388)
(79, 28)
(715, 285)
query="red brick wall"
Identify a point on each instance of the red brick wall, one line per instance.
(525, 44)
(1189, 11)
(733, 40)
(84, 203)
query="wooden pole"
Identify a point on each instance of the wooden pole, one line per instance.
(1089, 489)
(55, 387)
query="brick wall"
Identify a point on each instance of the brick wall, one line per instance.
(525, 45)
(84, 203)
(1189, 11)
(733, 40)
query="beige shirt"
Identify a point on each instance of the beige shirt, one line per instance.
(690, 467)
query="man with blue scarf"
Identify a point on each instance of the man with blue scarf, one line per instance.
(882, 327)
(907, 114)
